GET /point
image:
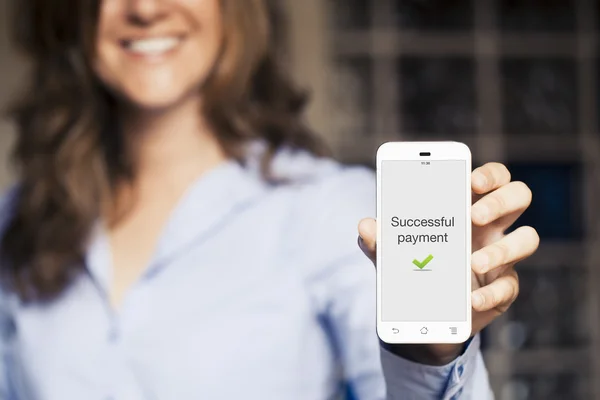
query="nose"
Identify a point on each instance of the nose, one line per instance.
(144, 12)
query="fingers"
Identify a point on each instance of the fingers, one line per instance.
(498, 295)
(489, 177)
(367, 230)
(513, 247)
(510, 198)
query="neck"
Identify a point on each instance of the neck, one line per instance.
(173, 145)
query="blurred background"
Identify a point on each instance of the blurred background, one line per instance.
(518, 81)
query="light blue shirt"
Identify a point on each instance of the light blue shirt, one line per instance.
(255, 291)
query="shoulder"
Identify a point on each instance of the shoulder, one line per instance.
(338, 200)
(316, 176)
(327, 201)
(343, 192)
(322, 185)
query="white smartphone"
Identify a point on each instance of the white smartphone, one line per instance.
(423, 242)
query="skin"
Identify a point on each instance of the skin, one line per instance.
(172, 146)
(163, 80)
(497, 203)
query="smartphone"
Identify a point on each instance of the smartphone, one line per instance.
(423, 242)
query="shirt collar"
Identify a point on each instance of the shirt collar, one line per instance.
(203, 209)
(206, 206)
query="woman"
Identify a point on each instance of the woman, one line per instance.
(177, 233)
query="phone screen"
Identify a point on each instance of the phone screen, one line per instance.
(424, 239)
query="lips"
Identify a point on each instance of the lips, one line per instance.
(152, 46)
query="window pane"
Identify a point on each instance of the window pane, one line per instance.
(349, 14)
(351, 94)
(437, 95)
(555, 209)
(550, 311)
(537, 15)
(539, 96)
(433, 14)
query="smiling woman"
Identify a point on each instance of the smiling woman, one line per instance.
(98, 72)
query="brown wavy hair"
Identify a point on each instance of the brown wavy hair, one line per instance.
(69, 153)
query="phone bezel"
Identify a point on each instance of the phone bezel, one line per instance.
(437, 331)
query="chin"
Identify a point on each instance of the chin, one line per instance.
(150, 101)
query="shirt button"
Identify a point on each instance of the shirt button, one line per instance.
(461, 369)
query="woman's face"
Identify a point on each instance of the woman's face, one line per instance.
(154, 53)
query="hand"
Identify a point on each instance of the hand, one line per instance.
(497, 203)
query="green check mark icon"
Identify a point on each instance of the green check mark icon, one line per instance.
(422, 264)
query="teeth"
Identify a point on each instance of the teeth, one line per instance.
(153, 46)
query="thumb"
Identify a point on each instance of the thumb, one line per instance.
(367, 231)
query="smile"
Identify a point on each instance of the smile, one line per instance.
(155, 46)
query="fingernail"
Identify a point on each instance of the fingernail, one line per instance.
(478, 300)
(480, 261)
